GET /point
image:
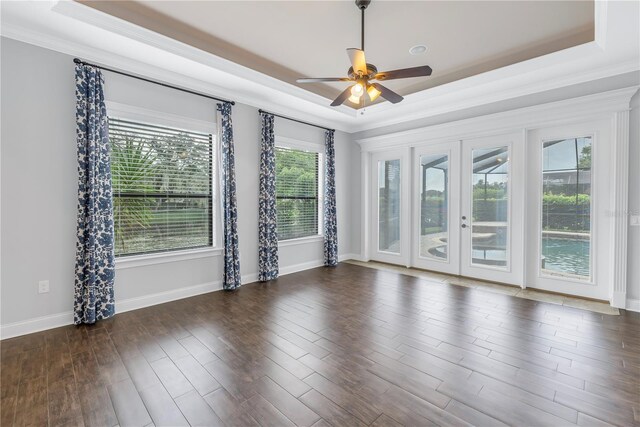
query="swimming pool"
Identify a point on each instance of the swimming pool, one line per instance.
(563, 255)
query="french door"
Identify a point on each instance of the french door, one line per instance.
(465, 208)
(436, 207)
(569, 195)
(390, 207)
(475, 208)
(491, 217)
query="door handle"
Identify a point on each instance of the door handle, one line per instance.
(464, 225)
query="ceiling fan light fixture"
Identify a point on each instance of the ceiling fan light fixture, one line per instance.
(355, 99)
(357, 90)
(373, 93)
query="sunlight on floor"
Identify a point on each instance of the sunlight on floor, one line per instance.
(532, 294)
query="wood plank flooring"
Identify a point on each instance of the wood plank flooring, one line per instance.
(344, 346)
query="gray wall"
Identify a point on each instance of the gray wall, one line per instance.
(39, 182)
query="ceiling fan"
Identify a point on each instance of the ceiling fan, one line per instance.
(363, 73)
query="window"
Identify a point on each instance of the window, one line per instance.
(566, 207)
(297, 190)
(490, 212)
(434, 206)
(389, 199)
(162, 188)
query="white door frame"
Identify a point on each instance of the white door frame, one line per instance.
(452, 264)
(401, 258)
(513, 272)
(596, 286)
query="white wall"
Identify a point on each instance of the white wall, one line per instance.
(39, 184)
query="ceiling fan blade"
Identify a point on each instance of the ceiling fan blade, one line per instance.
(387, 93)
(359, 64)
(342, 97)
(404, 73)
(323, 79)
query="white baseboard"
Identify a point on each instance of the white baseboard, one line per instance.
(167, 296)
(62, 319)
(43, 323)
(37, 324)
(249, 278)
(633, 304)
(619, 300)
(300, 267)
(312, 264)
(344, 257)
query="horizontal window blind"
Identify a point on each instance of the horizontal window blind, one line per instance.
(297, 199)
(162, 192)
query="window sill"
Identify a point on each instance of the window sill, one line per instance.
(300, 241)
(166, 257)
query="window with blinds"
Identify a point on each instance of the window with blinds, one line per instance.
(162, 188)
(297, 190)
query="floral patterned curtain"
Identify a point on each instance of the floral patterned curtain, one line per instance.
(95, 257)
(231, 275)
(330, 220)
(267, 225)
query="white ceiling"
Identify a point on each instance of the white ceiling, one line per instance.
(290, 39)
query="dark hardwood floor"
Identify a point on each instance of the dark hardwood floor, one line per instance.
(343, 346)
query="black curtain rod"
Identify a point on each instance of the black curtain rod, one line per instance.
(79, 61)
(295, 120)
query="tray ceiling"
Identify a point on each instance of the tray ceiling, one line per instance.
(287, 40)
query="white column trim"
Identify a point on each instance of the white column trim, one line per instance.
(365, 204)
(620, 208)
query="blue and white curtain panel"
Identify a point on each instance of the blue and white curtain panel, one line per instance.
(267, 222)
(330, 219)
(231, 275)
(95, 256)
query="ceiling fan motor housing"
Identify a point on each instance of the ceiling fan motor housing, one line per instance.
(372, 70)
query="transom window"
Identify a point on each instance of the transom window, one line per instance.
(162, 188)
(297, 192)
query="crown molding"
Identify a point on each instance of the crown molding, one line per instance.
(548, 114)
(75, 29)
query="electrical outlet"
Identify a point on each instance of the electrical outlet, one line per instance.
(43, 286)
(634, 220)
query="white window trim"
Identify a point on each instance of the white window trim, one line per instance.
(139, 114)
(313, 147)
(132, 261)
(301, 241)
(144, 115)
(299, 144)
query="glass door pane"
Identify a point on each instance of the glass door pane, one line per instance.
(389, 199)
(490, 206)
(566, 208)
(434, 206)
